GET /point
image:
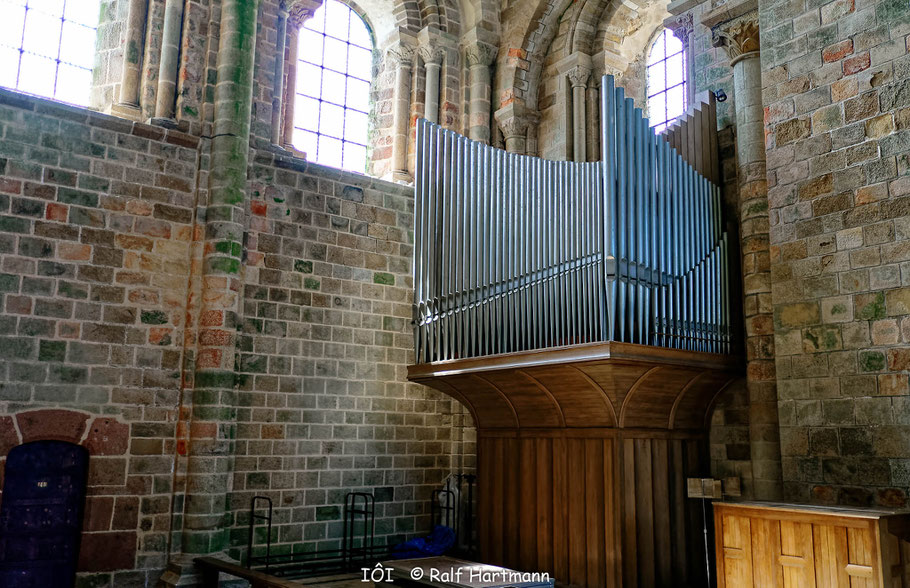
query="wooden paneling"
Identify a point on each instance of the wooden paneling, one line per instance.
(808, 547)
(577, 504)
(582, 458)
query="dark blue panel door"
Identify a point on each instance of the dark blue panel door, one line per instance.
(41, 514)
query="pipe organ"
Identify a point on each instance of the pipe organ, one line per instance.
(514, 253)
(580, 311)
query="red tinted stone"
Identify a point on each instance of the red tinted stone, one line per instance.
(837, 51)
(126, 513)
(856, 64)
(211, 318)
(98, 510)
(58, 425)
(10, 186)
(56, 212)
(208, 358)
(9, 438)
(107, 437)
(258, 207)
(106, 552)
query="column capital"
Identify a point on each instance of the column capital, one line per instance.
(479, 54)
(401, 54)
(432, 54)
(740, 38)
(514, 120)
(682, 27)
(300, 11)
(578, 76)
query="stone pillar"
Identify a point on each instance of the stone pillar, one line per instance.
(133, 49)
(170, 60)
(212, 420)
(742, 42)
(578, 77)
(593, 119)
(298, 13)
(278, 75)
(479, 57)
(682, 27)
(432, 60)
(401, 59)
(514, 121)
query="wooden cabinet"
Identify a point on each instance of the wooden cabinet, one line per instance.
(803, 546)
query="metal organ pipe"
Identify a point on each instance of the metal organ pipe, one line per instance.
(514, 253)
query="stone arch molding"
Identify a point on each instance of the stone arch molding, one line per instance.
(614, 33)
(101, 435)
(388, 17)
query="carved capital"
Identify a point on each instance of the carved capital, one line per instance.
(479, 54)
(514, 120)
(682, 27)
(739, 38)
(401, 55)
(433, 55)
(300, 11)
(578, 76)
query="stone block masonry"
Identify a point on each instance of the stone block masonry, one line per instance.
(836, 79)
(102, 241)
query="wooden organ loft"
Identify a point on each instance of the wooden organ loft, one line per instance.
(581, 312)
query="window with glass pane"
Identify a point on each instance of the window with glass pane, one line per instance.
(666, 81)
(331, 115)
(47, 47)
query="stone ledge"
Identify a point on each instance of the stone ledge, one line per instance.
(726, 12)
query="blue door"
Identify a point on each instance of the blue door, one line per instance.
(41, 514)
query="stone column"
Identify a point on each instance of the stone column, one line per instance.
(593, 119)
(401, 59)
(170, 60)
(298, 13)
(432, 60)
(578, 77)
(514, 121)
(278, 72)
(742, 42)
(213, 412)
(479, 57)
(682, 27)
(131, 74)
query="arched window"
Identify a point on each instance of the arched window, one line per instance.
(47, 47)
(331, 114)
(666, 80)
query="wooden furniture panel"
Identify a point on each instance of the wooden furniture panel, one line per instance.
(804, 546)
(582, 458)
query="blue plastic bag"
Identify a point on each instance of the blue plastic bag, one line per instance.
(437, 543)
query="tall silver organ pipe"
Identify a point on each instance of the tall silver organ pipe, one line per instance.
(514, 253)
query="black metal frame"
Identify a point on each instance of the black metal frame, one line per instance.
(367, 511)
(250, 558)
(323, 561)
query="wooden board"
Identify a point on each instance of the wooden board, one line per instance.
(787, 545)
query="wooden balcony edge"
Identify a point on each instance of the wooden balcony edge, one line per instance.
(572, 354)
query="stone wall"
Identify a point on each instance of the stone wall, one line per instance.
(95, 228)
(837, 102)
(100, 249)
